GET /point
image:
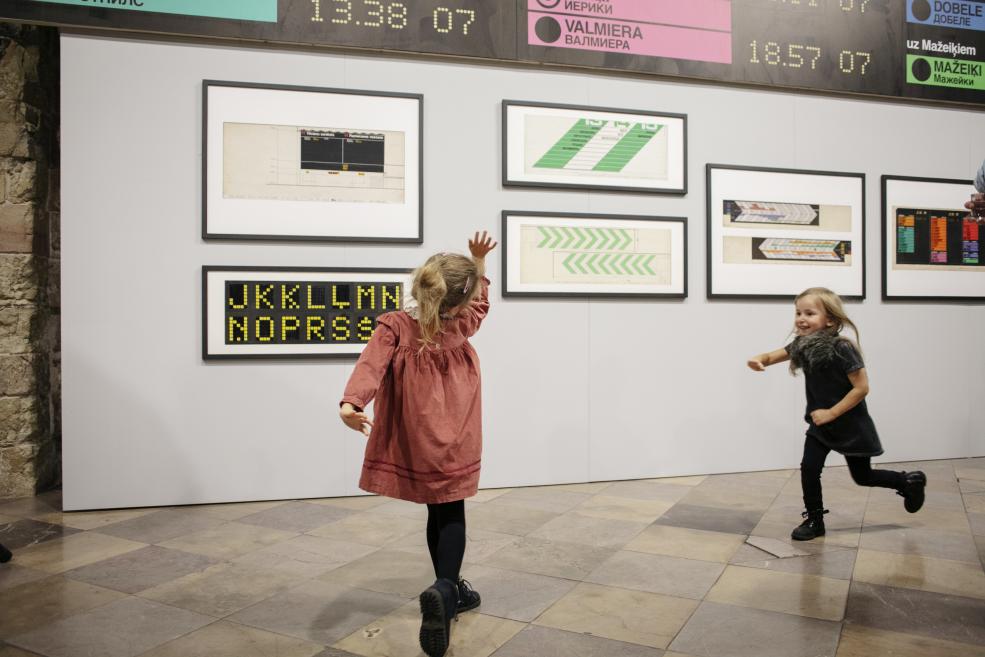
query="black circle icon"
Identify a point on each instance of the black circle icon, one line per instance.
(920, 9)
(921, 69)
(548, 30)
(548, 4)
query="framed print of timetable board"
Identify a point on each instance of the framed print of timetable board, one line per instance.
(570, 146)
(772, 233)
(931, 250)
(295, 312)
(307, 163)
(559, 254)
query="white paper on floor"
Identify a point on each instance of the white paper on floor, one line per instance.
(775, 547)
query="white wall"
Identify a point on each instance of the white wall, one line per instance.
(573, 390)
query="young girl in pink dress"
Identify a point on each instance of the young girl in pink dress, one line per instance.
(425, 443)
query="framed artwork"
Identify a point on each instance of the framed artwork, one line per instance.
(570, 146)
(558, 254)
(306, 163)
(295, 312)
(772, 233)
(931, 251)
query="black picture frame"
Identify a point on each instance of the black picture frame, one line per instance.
(604, 230)
(244, 217)
(925, 194)
(514, 156)
(214, 301)
(786, 187)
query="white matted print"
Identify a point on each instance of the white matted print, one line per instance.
(295, 312)
(931, 249)
(547, 145)
(567, 254)
(306, 163)
(776, 232)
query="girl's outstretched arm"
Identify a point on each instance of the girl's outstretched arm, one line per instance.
(762, 361)
(860, 388)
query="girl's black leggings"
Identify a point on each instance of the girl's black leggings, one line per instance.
(815, 452)
(446, 538)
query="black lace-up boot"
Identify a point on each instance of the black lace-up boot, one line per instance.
(812, 527)
(468, 598)
(913, 490)
(438, 604)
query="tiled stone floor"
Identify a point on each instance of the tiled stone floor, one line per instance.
(623, 569)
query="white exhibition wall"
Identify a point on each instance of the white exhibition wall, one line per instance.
(574, 390)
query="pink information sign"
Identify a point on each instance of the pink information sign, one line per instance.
(696, 30)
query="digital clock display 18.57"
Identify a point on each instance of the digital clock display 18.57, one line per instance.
(920, 49)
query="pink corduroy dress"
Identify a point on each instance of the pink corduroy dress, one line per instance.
(426, 441)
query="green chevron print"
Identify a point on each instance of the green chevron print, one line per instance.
(566, 237)
(610, 264)
(570, 144)
(627, 148)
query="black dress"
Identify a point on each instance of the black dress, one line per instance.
(826, 382)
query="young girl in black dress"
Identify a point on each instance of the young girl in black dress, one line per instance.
(837, 417)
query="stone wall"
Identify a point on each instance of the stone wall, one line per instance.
(30, 351)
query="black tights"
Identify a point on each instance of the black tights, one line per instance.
(446, 538)
(859, 466)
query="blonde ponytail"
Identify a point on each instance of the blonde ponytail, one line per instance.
(445, 281)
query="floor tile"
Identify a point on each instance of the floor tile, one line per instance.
(933, 519)
(26, 532)
(296, 516)
(161, 525)
(12, 575)
(140, 569)
(11, 651)
(229, 540)
(29, 507)
(222, 589)
(396, 635)
(92, 519)
(320, 612)
(687, 543)
(551, 558)
(386, 571)
(360, 503)
(717, 630)
(977, 522)
(541, 499)
(548, 642)
(646, 619)
(728, 497)
(857, 641)
(948, 617)
(488, 494)
(481, 544)
(726, 521)
(683, 578)
(647, 489)
(232, 511)
(592, 487)
(803, 595)
(225, 639)
(974, 503)
(955, 546)
(306, 556)
(595, 532)
(35, 604)
(514, 595)
(507, 519)
(369, 528)
(61, 554)
(692, 480)
(122, 628)
(922, 573)
(401, 508)
(836, 563)
(623, 508)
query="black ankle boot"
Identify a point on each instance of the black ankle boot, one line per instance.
(812, 527)
(468, 598)
(913, 490)
(438, 604)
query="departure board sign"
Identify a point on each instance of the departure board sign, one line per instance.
(919, 49)
(294, 312)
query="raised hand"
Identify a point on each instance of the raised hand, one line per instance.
(479, 246)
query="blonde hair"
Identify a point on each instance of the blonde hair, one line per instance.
(443, 282)
(835, 311)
